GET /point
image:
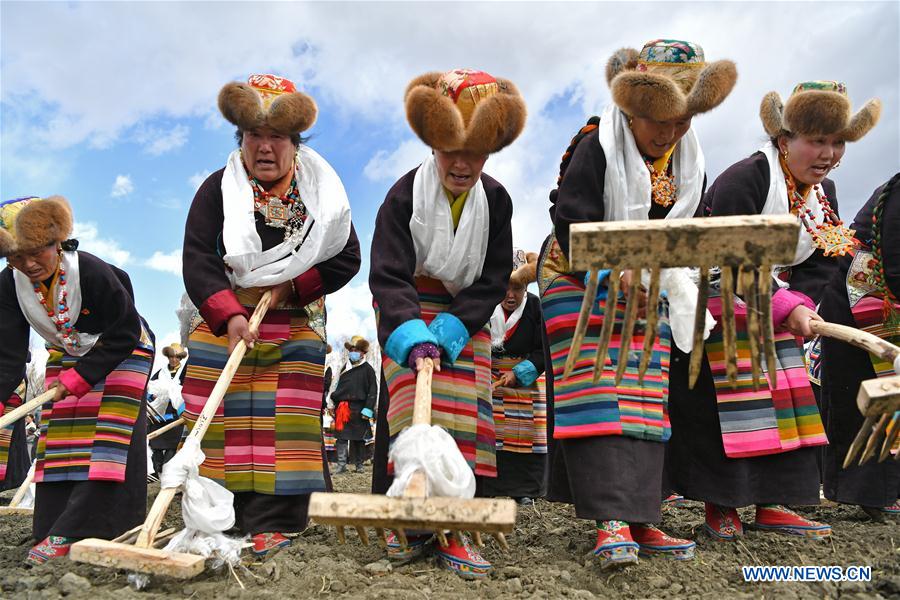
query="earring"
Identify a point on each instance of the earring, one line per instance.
(784, 154)
(630, 122)
(836, 165)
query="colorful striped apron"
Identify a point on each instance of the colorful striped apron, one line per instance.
(460, 392)
(520, 414)
(266, 436)
(6, 433)
(87, 438)
(581, 408)
(758, 423)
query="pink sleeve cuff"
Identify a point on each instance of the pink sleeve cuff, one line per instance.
(220, 307)
(75, 383)
(309, 286)
(784, 301)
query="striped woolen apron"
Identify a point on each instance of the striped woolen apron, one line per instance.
(757, 423)
(87, 438)
(460, 392)
(14, 401)
(583, 409)
(266, 435)
(520, 414)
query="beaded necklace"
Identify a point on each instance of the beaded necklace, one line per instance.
(60, 318)
(282, 211)
(830, 236)
(663, 190)
(878, 276)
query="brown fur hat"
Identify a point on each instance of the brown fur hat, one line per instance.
(818, 108)
(465, 110)
(668, 79)
(267, 100)
(526, 273)
(357, 342)
(175, 350)
(30, 223)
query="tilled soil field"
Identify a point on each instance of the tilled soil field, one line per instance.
(550, 557)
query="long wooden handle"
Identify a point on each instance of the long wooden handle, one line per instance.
(19, 412)
(856, 337)
(20, 493)
(422, 402)
(165, 428)
(154, 518)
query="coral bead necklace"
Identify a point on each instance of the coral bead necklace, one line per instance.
(830, 236)
(60, 317)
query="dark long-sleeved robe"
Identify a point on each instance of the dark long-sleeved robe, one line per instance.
(358, 388)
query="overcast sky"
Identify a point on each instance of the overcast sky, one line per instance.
(113, 104)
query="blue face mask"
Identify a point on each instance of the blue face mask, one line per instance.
(355, 356)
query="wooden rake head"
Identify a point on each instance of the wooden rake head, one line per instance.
(415, 511)
(743, 247)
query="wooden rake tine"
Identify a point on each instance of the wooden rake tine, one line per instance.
(729, 334)
(584, 317)
(768, 329)
(631, 310)
(652, 324)
(697, 350)
(874, 437)
(893, 431)
(609, 320)
(750, 291)
(861, 436)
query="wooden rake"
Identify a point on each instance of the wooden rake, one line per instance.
(743, 247)
(878, 399)
(415, 511)
(165, 428)
(140, 549)
(6, 420)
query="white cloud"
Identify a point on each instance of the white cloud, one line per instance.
(89, 239)
(350, 313)
(391, 165)
(167, 262)
(122, 186)
(197, 179)
(159, 141)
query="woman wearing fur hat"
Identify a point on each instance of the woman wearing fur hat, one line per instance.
(165, 404)
(736, 446)
(93, 483)
(863, 294)
(641, 160)
(520, 402)
(441, 258)
(354, 399)
(275, 218)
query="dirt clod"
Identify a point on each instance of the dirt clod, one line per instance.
(71, 584)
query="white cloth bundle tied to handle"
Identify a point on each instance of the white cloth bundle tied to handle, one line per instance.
(431, 449)
(206, 507)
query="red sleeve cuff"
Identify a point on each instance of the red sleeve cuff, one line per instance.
(309, 286)
(784, 301)
(75, 383)
(220, 307)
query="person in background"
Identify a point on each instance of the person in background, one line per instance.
(165, 405)
(354, 398)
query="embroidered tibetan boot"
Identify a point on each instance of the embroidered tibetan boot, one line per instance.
(893, 509)
(673, 501)
(615, 546)
(723, 523)
(416, 545)
(774, 517)
(53, 546)
(462, 558)
(654, 542)
(263, 543)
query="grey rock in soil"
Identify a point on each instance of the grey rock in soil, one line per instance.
(70, 583)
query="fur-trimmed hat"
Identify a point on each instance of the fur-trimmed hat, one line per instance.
(31, 222)
(357, 342)
(465, 110)
(524, 268)
(818, 108)
(668, 79)
(174, 350)
(270, 101)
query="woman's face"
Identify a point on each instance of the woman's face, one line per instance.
(655, 138)
(38, 265)
(269, 155)
(811, 158)
(459, 170)
(514, 295)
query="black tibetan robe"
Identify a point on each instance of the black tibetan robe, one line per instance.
(358, 389)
